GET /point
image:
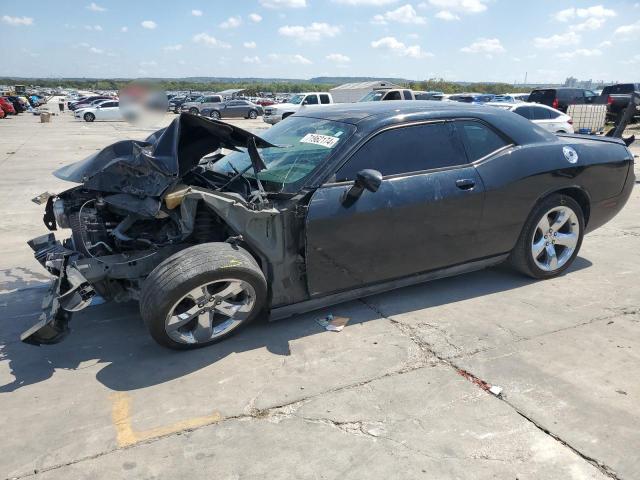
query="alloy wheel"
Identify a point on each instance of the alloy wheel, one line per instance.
(555, 238)
(210, 310)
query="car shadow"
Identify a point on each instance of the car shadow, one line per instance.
(114, 335)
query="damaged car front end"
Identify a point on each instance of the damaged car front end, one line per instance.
(138, 203)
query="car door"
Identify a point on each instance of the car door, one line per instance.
(110, 111)
(423, 216)
(233, 109)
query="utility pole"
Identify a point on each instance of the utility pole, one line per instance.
(525, 77)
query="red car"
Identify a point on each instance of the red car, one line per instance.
(6, 106)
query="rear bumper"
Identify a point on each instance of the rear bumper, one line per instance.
(69, 292)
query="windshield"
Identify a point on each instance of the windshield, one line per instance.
(305, 143)
(373, 96)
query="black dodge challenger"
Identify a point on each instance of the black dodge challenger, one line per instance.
(208, 225)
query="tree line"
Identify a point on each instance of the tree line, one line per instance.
(254, 88)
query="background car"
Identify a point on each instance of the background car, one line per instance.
(437, 96)
(176, 102)
(561, 98)
(17, 103)
(617, 98)
(233, 109)
(206, 101)
(86, 101)
(548, 118)
(476, 98)
(2, 114)
(107, 110)
(7, 106)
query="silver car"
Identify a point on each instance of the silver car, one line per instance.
(203, 102)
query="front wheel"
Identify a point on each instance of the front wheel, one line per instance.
(193, 111)
(253, 114)
(89, 117)
(215, 114)
(550, 239)
(202, 295)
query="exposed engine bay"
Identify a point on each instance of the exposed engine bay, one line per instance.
(139, 203)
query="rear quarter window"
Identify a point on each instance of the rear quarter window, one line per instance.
(479, 139)
(540, 96)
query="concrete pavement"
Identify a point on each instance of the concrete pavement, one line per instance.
(399, 393)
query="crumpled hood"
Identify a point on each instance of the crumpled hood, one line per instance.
(150, 167)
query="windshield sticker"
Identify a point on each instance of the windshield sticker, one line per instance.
(316, 139)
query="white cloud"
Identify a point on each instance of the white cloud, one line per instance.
(461, 6)
(338, 58)
(310, 33)
(173, 48)
(556, 41)
(447, 15)
(209, 41)
(398, 48)
(149, 24)
(231, 22)
(358, 3)
(124, 29)
(404, 14)
(484, 45)
(254, 59)
(296, 59)
(94, 7)
(95, 28)
(196, 13)
(606, 43)
(628, 31)
(597, 11)
(249, 44)
(96, 50)
(580, 52)
(17, 21)
(283, 3)
(255, 18)
(150, 63)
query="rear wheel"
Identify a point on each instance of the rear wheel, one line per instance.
(89, 117)
(253, 114)
(550, 239)
(193, 111)
(202, 295)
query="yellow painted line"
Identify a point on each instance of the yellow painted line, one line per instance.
(126, 435)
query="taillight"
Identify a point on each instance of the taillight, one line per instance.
(609, 100)
(555, 103)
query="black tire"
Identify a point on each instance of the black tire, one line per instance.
(186, 270)
(253, 114)
(215, 115)
(521, 257)
(193, 111)
(89, 117)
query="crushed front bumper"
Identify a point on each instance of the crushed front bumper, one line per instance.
(69, 292)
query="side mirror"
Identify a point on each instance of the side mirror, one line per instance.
(367, 179)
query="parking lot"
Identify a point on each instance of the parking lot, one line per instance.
(401, 392)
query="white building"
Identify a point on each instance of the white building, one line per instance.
(352, 92)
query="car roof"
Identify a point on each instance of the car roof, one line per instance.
(371, 116)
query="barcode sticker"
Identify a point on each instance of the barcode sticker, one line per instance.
(316, 139)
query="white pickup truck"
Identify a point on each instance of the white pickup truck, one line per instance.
(279, 111)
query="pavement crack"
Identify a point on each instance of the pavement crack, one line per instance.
(424, 346)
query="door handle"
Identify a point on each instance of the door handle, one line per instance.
(465, 184)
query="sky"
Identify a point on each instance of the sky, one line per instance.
(463, 40)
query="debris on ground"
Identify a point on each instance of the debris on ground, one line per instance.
(333, 324)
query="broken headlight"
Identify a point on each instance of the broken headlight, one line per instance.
(62, 220)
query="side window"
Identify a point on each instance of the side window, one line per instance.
(405, 150)
(524, 112)
(407, 94)
(479, 139)
(540, 113)
(324, 99)
(395, 95)
(311, 100)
